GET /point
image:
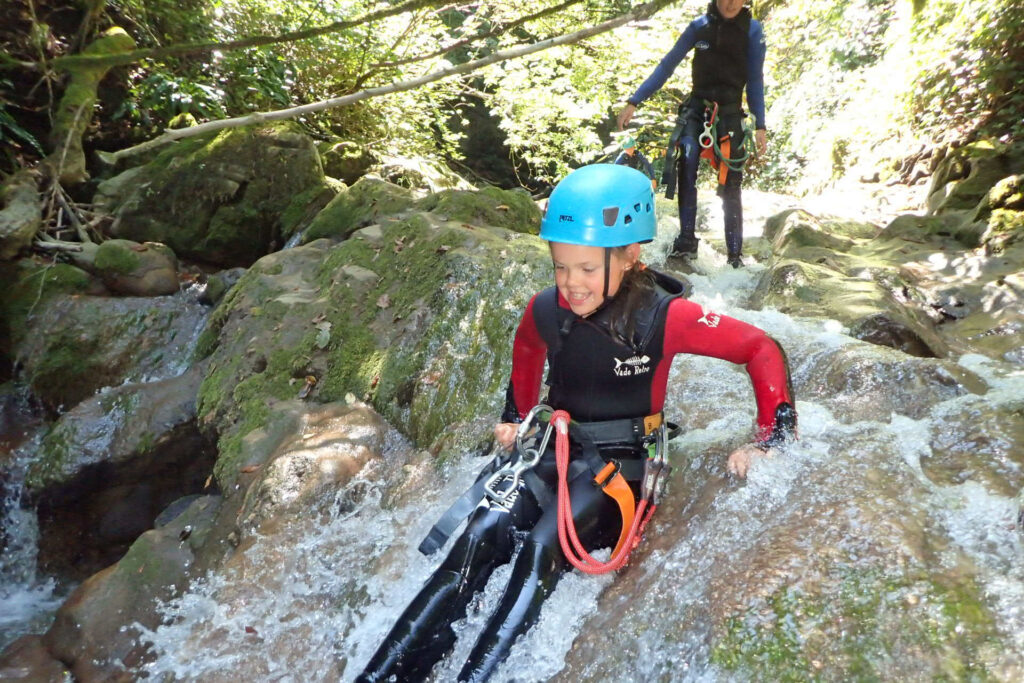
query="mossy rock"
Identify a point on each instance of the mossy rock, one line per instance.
(75, 346)
(920, 228)
(422, 175)
(986, 164)
(510, 209)
(415, 316)
(865, 306)
(117, 257)
(20, 214)
(843, 230)
(908, 626)
(794, 230)
(347, 161)
(26, 286)
(1005, 228)
(306, 206)
(221, 198)
(368, 201)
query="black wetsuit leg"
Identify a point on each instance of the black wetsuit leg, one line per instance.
(689, 158)
(423, 633)
(537, 570)
(732, 203)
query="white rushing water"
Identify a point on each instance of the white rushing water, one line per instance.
(341, 586)
(312, 601)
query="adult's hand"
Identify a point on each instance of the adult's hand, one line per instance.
(761, 141)
(625, 115)
(505, 434)
(743, 457)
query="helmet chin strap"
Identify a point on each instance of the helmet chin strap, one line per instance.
(607, 271)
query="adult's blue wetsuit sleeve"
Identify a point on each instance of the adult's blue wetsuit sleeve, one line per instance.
(666, 66)
(755, 73)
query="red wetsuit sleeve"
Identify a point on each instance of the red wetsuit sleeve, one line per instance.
(691, 329)
(528, 355)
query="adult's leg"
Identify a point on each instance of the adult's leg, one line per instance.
(689, 158)
(423, 633)
(732, 203)
(538, 567)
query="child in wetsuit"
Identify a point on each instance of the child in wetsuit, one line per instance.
(608, 329)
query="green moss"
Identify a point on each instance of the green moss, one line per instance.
(1005, 227)
(366, 202)
(25, 285)
(116, 256)
(221, 198)
(870, 621)
(510, 209)
(305, 206)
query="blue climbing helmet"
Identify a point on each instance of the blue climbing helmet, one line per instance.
(601, 205)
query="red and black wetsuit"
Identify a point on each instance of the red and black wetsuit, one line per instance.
(596, 379)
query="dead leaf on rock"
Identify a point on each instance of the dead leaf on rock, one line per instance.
(249, 469)
(501, 207)
(384, 301)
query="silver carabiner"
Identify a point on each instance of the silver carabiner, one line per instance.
(511, 474)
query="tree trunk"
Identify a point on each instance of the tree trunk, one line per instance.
(74, 114)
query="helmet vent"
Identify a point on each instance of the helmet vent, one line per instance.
(636, 207)
(611, 214)
(627, 220)
(648, 208)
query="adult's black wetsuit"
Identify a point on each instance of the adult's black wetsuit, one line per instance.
(596, 379)
(728, 57)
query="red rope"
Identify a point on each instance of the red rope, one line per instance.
(571, 546)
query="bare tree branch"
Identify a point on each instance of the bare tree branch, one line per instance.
(502, 28)
(639, 12)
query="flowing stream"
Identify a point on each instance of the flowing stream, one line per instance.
(853, 486)
(851, 491)
(28, 597)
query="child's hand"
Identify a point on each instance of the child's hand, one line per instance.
(505, 434)
(743, 457)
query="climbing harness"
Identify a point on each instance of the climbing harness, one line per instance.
(501, 480)
(715, 148)
(611, 480)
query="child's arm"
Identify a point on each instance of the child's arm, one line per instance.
(691, 329)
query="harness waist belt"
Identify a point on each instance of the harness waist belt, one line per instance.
(625, 431)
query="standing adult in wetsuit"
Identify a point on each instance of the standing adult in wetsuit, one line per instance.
(729, 50)
(609, 329)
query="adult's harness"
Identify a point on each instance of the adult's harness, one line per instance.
(717, 149)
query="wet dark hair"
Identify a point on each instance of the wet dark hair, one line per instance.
(635, 291)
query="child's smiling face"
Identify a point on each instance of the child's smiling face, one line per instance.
(579, 273)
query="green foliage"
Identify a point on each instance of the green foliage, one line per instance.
(971, 70)
(11, 133)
